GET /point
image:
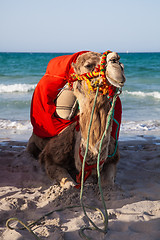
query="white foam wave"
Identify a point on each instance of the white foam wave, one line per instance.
(143, 94)
(16, 88)
(139, 127)
(17, 125)
(126, 126)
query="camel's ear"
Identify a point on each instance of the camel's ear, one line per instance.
(74, 67)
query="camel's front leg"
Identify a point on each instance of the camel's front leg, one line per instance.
(108, 175)
(108, 172)
(60, 174)
(57, 156)
(57, 170)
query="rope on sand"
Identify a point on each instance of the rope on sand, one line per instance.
(38, 221)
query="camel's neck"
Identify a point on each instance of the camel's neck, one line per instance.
(98, 122)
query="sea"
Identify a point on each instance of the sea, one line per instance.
(20, 73)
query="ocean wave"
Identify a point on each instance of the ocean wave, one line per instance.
(140, 127)
(154, 94)
(18, 87)
(129, 127)
(17, 125)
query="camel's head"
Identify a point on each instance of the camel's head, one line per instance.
(113, 69)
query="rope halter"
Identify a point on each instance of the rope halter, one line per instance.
(98, 73)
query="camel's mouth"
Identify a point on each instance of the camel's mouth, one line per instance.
(115, 70)
(118, 84)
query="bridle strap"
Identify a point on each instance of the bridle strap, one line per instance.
(98, 73)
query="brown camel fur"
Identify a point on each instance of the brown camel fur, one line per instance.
(60, 154)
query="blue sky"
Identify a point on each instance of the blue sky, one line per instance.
(74, 25)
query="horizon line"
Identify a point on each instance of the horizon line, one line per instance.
(75, 52)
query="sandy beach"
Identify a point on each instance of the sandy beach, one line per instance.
(133, 204)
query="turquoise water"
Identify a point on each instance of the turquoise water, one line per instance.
(141, 95)
(20, 72)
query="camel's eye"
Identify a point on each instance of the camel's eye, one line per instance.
(90, 66)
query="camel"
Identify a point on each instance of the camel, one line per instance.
(62, 155)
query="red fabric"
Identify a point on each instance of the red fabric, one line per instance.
(87, 170)
(43, 106)
(45, 124)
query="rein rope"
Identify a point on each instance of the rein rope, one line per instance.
(105, 215)
(98, 73)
